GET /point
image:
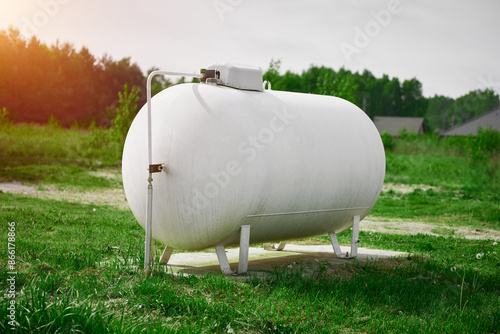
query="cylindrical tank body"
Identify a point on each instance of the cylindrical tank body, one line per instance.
(290, 165)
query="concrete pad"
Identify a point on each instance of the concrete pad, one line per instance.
(261, 261)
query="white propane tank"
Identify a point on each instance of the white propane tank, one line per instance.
(290, 165)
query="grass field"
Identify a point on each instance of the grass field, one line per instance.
(78, 266)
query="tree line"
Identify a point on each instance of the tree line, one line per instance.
(384, 96)
(38, 82)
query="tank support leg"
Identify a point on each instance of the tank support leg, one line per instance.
(281, 246)
(223, 262)
(167, 252)
(268, 246)
(354, 241)
(244, 247)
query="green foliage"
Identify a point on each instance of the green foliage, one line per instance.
(435, 117)
(125, 112)
(53, 123)
(387, 140)
(159, 82)
(384, 96)
(272, 73)
(444, 113)
(485, 144)
(341, 84)
(38, 81)
(4, 118)
(33, 144)
(450, 172)
(408, 136)
(376, 96)
(104, 144)
(413, 104)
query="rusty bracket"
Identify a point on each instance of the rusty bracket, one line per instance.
(209, 75)
(157, 168)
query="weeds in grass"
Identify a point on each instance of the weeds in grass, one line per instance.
(480, 210)
(81, 270)
(462, 277)
(94, 146)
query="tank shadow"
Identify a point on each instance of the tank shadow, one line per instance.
(262, 261)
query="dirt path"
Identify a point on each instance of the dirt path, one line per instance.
(395, 226)
(112, 197)
(116, 197)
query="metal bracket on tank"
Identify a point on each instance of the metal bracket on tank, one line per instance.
(354, 241)
(157, 168)
(209, 76)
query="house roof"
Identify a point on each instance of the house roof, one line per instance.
(491, 118)
(394, 124)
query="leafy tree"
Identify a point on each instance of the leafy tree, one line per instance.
(159, 82)
(344, 86)
(272, 74)
(387, 140)
(125, 111)
(324, 81)
(413, 104)
(443, 112)
(4, 118)
(384, 96)
(437, 111)
(37, 81)
(486, 144)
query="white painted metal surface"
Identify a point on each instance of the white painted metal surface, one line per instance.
(289, 165)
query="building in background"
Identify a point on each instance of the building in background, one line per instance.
(489, 119)
(394, 125)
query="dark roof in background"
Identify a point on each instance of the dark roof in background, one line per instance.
(491, 118)
(394, 124)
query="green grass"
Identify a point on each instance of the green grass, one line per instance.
(52, 155)
(64, 175)
(448, 172)
(93, 146)
(80, 270)
(79, 267)
(468, 191)
(455, 208)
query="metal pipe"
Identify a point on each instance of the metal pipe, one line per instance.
(147, 250)
(149, 219)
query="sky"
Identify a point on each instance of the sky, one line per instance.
(450, 46)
